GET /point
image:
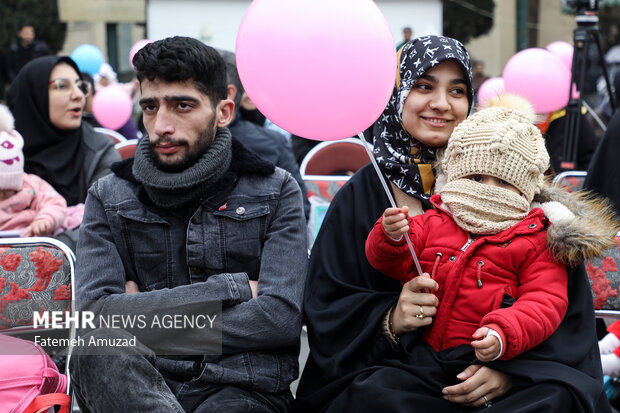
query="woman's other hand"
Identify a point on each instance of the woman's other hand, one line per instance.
(478, 382)
(416, 307)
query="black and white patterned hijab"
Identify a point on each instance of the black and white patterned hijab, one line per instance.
(393, 145)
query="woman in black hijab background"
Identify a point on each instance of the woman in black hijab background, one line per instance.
(70, 159)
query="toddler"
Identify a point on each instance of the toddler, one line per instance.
(28, 204)
(484, 244)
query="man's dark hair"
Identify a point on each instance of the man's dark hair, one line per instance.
(177, 59)
(24, 24)
(232, 75)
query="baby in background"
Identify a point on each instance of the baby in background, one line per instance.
(28, 204)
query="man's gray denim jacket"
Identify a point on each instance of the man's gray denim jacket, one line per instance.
(255, 228)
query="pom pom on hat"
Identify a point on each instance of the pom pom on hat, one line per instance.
(7, 122)
(499, 142)
(513, 101)
(11, 154)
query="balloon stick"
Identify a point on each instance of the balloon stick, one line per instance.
(391, 198)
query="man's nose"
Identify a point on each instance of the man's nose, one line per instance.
(163, 123)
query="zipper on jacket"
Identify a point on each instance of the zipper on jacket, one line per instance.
(467, 244)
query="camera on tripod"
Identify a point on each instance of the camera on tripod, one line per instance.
(585, 35)
(582, 6)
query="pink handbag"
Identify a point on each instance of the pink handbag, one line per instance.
(29, 380)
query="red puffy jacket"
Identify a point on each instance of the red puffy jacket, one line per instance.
(475, 275)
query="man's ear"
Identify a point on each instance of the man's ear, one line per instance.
(225, 111)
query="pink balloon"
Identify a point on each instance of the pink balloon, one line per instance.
(112, 107)
(134, 49)
(490, 88)
(540, 77)
(564, 51)
(321, 69)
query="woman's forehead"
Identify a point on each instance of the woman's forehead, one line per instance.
(63, 70)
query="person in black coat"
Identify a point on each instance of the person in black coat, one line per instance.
(25, 48)
(603, 176)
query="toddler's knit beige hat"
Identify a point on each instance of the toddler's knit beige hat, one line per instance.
(500, 142)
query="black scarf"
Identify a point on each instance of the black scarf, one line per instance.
(393, 145)
(175, 189)
(55, 155)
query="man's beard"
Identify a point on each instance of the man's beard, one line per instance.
(202, 143)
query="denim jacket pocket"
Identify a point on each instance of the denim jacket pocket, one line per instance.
(242, 229)
(146, 237)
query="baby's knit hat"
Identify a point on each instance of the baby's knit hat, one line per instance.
(500, 142)
(11, 155)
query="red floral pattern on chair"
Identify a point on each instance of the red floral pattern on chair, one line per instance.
(33, 278)
(605, 280)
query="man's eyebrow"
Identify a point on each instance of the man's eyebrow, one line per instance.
(181, 98)
(176, 98)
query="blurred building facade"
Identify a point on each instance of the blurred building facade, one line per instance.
(115, 25)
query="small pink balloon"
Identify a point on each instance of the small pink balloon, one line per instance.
(490, 88)
(564, 51)
(321, 69)
(540, 77)
(134, 49)
(112, 107)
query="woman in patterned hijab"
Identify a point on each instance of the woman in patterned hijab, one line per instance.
(365, 329)
(348, 304)
(408, 134)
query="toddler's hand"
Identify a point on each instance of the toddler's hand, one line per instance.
(487, 347)
(38, 228)
(395, 223)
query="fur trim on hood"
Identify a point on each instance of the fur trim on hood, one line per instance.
(588, 234)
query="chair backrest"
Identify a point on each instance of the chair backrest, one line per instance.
(127, 149)
(112, 134)
(321, 191)
(571, 180)
(36, 274)
(605, 282)
(334, 158)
